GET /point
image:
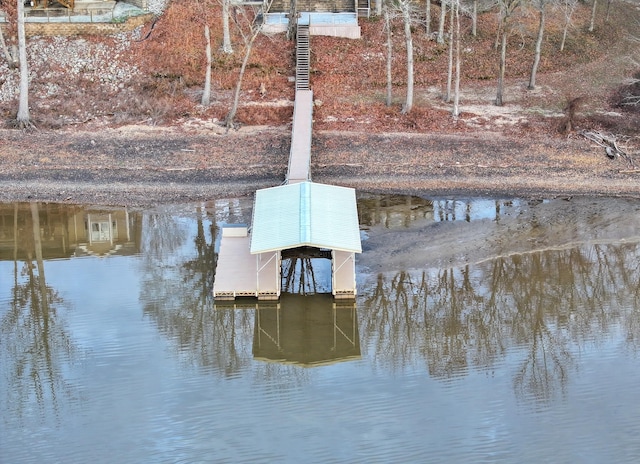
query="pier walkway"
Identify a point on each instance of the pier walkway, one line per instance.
(300, 154)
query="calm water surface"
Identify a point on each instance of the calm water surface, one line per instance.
(112, 350)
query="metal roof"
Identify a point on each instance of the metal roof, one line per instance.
(305, 213)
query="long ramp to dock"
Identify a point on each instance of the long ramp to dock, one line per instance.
(300, 154)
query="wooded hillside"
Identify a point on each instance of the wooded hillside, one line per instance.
(165, 64)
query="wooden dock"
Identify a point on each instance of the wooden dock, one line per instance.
(236, 274)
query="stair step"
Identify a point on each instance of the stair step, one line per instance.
(302, 58)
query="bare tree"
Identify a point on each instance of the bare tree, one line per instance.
(406, 9)
(403, 9)
(23, 119)
(443, 16)
(447, 97)
(387, 25)
(507, 9)
(206, 94)
(226, 35)
(427, 20)
(592, 21)
(541, 6)
(9, 47)
(633, 83)
(456, 92)
(11, 59)
(292, 25)
(568, 7)
(249, 25)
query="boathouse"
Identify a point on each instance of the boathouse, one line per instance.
(287, 219)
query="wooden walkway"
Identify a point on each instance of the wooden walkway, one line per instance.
(300, 156)
(236, 269)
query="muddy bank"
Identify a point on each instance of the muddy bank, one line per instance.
(141, 165)
(520, 227)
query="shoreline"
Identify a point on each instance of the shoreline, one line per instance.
(146, 166)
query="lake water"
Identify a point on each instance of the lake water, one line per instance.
(112, 349)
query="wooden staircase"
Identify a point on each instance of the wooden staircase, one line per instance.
(364, 8)
(302, 57)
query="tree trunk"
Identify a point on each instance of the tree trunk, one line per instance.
(230, 119)
(503, 64)
(387, 23)
(564, 34)
(536, 59)
(293, 20)
(447, 97)
(206, 94)
(456, 93)
(23, 119)
(379, 5)
(569, 7)
(443, 17)
(226, 35)
(11, 61)
(474, 18)
(593, 16)
(427, 21)
(406, 16)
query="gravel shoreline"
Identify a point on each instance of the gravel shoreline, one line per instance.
(144, 166)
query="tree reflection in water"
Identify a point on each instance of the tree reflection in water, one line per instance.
(540, 308)
(34, 343)
(544, 307)
(177, 293)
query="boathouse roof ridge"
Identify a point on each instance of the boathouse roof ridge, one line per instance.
(305, 214)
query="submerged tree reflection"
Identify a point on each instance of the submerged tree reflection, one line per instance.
(543, 307)
(34, 343)
(179, 266)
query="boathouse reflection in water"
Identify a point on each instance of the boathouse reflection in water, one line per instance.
(306, 330)
(68, 230)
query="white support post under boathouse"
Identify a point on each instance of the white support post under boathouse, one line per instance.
(343, 274)
(268, 275)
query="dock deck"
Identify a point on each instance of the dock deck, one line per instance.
(238, 273)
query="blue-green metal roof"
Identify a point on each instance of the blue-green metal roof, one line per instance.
(305, 214)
